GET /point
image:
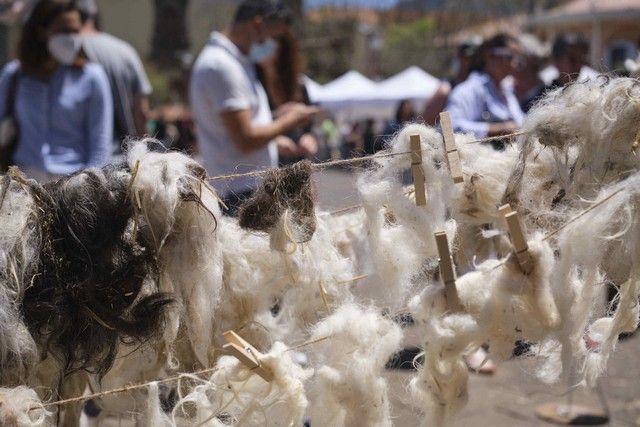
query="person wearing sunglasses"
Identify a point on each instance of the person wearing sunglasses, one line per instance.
(485, 104)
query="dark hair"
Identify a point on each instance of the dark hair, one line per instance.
(88, 10)
(32, 49)
(401, 104)
(289, 66)
(286, 86)
(566, 41)
(500, 40)
(270, 10)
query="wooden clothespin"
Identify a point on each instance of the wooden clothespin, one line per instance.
(518, 239)
(416, 171)
(246, 353)
(451, 150)
(447, 274)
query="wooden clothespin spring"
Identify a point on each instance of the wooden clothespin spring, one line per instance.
(416, 171)
(518, 239)
(451, 150)
(243, 351)
(447, 273)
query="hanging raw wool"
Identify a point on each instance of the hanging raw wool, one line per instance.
(85, 269)
(19, 240)
(401, 233)
(500, 305)
(21, 407)
(177, 215)
(272, 295)
(235, 395)
(598, 248)
(282, 206)
(589, 145)
(352, 347)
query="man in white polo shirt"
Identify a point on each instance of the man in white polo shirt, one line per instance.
(235, 129)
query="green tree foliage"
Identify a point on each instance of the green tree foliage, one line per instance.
(410, 44)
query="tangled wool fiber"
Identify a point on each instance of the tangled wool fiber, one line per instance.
(234, 395)
(21, 407)
(284, 193)
(175, 215)
(584, 268)
(348, 388)
(500, 306)
(584, 137)
(178, 216)
(400, 233)
(304, 284)
(86, 271)
(18, 243)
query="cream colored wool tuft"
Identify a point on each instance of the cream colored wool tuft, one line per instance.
(400, 233)
(348, 388)
(500, 306)
(21, 407)
(179, 214)
(238, 396)
(306, 283)
(19, 241)
(585, 264)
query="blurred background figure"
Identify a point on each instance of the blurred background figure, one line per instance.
(282, 77)
(465, 61)
(331, 137)
(485, 103)
(234, 124)
(570, 52)
(61, 103)
(405, 113)
(352, 143)
(528, 85)
(370, 143)
(130, 87)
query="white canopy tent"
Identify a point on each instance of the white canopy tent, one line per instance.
(353, 96)
(413, 83)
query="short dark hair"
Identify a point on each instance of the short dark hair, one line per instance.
(498, 41)
(32, 50)
(271, 10)
(566, 41)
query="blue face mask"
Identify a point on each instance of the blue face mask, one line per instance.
(262, 50)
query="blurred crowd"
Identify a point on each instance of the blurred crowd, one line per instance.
(75, 94)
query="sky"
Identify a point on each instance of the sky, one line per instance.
(378, 4)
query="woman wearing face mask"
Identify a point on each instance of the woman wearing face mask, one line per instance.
(61, 103)
(279, 69)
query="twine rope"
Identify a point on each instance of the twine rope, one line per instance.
(331, 163)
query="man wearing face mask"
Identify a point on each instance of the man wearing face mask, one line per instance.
(235, 128)
(61, 103)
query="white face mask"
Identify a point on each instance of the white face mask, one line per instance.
(64, 47)
(262, 50)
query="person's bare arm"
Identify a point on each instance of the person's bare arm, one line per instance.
(436, 104)
(141, 114)
(504, 128)
(247, 137)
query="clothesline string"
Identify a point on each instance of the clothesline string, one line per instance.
(184, 375)
(332, 163)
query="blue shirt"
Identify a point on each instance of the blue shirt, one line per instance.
(66, 123)
(477, 102)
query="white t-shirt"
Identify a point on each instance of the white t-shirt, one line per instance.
(223, 79)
